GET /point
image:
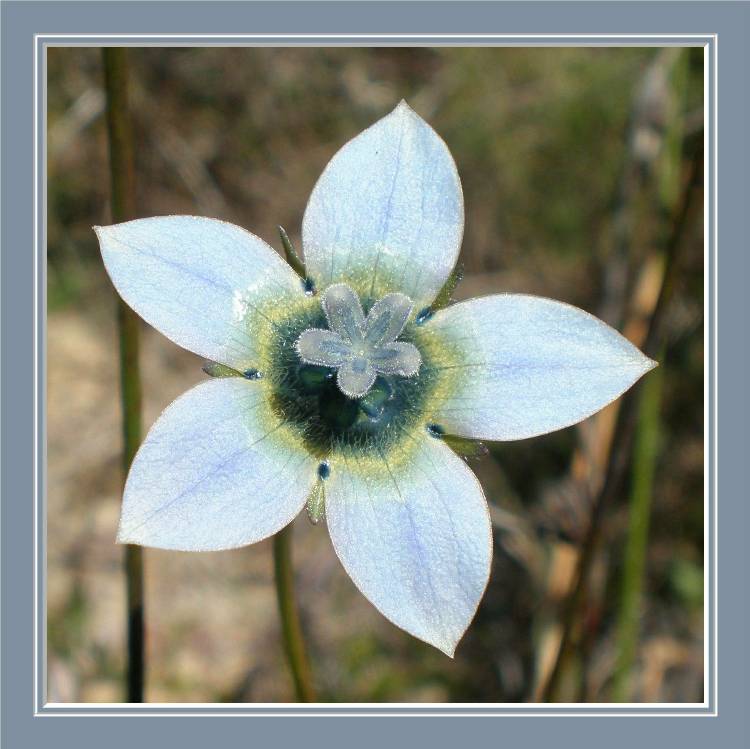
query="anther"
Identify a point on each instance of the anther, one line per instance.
(324, 470)
(423, 316)
(435, 430)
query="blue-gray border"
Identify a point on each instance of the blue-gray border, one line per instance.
(24, 712)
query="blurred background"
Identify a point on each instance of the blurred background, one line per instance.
(575, 165)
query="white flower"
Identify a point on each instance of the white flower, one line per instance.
(350, 413)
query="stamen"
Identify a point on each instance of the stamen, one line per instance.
(435, 430)
(424, 316)
(356, 376)
(323, 347)
(400, 358)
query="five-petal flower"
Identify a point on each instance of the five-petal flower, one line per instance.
(331, 403)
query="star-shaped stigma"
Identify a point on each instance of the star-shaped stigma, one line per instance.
(360, 347)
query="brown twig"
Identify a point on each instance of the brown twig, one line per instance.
(622, 437)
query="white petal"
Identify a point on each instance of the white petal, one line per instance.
(355, 377)
(528, 366)
(203, 283)
(218, 470)
(414, 535)
(323, 347)
(387, 213)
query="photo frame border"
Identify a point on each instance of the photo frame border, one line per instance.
(42, 40)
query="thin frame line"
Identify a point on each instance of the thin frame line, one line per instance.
(710, 44)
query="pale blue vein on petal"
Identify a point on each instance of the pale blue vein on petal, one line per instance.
(214, 473)
(532, 365)
(388, 210)
(416, 540)
(199, 281)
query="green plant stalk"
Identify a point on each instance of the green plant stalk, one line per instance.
(645, 455)
(625, 424)
(122, 173)
(674, 136)
(294, 643)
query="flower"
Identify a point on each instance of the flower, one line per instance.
(316, 401)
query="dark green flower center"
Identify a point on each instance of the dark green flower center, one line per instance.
(307, 396)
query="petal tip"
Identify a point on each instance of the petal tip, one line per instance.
(127, 531)
(124, 538)
(403, 109)
(449, 650)
(107, 237)
(644, 363)
(446, 643)
(108, 228)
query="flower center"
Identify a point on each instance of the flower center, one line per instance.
(360, 348)
(365, 395)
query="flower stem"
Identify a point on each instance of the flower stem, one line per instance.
(294, 643)
(624, 429)
(122, 175)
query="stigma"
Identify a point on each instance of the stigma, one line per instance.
(361, 347)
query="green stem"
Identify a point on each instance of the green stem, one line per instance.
(122, 173)
(620, 445)
(644, 464)
(294, 643)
